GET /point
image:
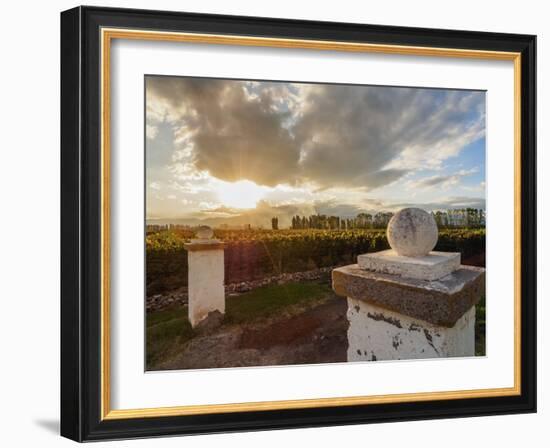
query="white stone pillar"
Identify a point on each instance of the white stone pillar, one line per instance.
(376, 333)
(420, 305)
(206, 276)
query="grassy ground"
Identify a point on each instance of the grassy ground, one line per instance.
(168, 330)
(270, 300)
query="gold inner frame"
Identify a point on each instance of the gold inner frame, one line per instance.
(107, 35)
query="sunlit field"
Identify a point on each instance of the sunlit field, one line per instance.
(257, 253)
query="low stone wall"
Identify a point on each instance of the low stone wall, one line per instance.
(179, 296)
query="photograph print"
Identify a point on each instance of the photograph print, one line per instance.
(292, 223)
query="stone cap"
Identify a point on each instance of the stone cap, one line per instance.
(204, 244)
(441, 302)
(431, 266)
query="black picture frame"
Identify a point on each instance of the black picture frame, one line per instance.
(81, 224)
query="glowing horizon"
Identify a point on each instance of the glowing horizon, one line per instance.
(228, 151)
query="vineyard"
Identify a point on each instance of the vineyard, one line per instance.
(258, 253)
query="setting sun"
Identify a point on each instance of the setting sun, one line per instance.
(240, 194)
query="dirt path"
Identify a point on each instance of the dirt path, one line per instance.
(316, 335)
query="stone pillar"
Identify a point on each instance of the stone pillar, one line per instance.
(206, 276)
(420, 305)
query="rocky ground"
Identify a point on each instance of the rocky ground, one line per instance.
(315, 334)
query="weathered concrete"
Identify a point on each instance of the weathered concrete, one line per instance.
(206, 279)
(440, 302)
(376, 333)
(412, 232)
(432, 266)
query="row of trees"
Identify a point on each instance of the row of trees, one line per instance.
(465, 217)
(361, 221)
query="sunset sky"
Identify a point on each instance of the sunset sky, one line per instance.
(236, 152)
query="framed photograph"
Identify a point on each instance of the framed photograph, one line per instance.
(272, 223)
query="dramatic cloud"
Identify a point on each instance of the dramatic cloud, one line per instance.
(442, 181)
(345, 210)
(241, 152)
(351, 134)
(328, 135)
(234, 130)
(446, 203)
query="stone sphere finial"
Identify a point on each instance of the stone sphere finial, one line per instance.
(205, 233)
(412, 232)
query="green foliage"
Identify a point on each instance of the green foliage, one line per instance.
(257, 253)
(166, 332)
(480, 327)
(171, 240)
(270, 300)
(466, 241)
